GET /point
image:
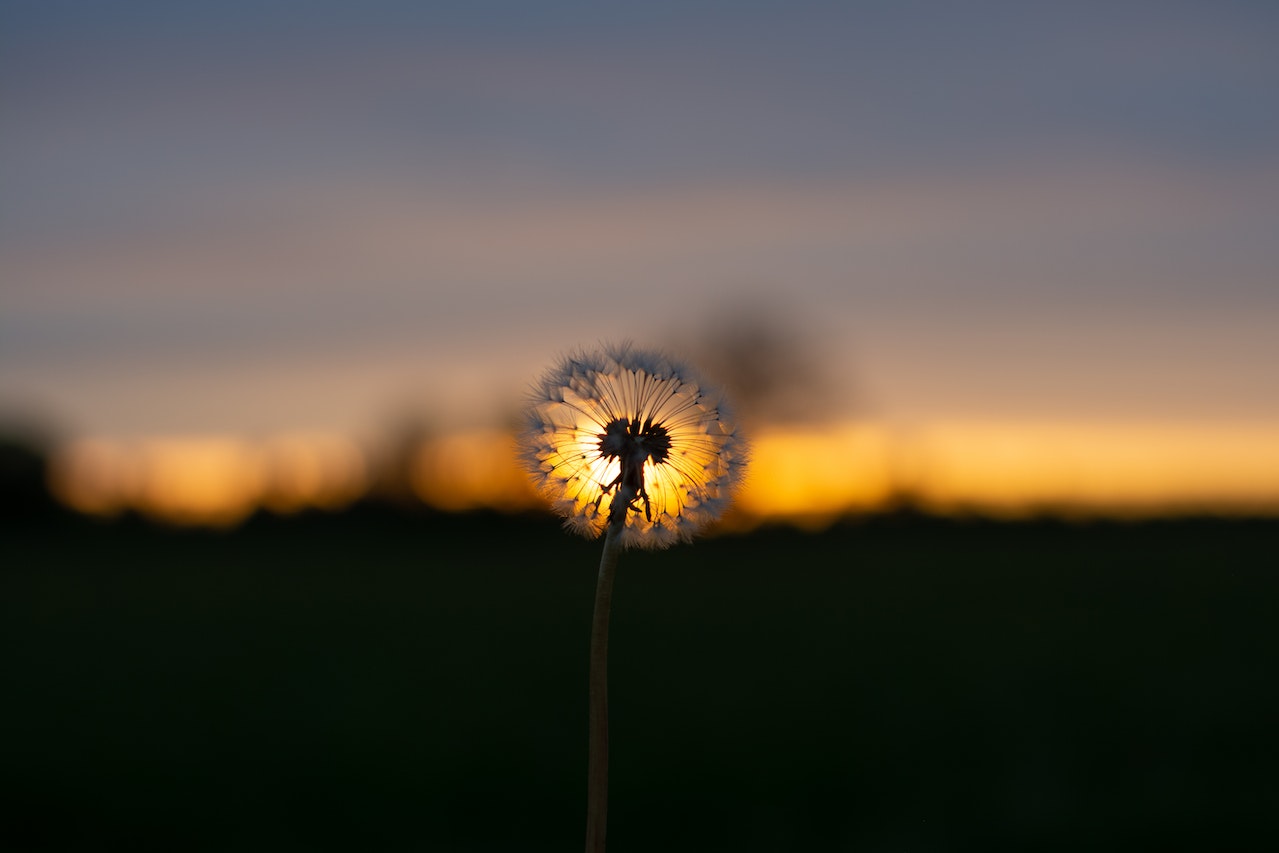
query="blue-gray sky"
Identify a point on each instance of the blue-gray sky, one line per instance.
(253, 217)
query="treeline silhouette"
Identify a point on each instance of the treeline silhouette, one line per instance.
(393, 676)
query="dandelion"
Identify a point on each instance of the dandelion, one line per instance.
(628, 444)
(630, 438)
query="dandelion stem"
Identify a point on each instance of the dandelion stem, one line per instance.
(597, 762)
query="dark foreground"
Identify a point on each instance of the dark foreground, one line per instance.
(376, 682)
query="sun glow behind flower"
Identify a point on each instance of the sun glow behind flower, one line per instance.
(626, 435)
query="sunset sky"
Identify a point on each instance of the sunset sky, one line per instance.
(248, 219)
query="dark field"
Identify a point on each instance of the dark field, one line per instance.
(375, 681)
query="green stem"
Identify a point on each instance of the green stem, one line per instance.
(597, 763)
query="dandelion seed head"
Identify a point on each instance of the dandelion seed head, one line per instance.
(629, 436)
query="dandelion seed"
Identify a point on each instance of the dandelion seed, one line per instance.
(630, 444)
(629, 437)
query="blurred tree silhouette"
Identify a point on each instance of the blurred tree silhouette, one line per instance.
(394, 460)
(24, 469)
(774, 364)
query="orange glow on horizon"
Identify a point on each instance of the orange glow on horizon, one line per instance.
(812, 476)
(1101, 469)
(805, 476)
(214, 481)
(473, 470)
(305, 471)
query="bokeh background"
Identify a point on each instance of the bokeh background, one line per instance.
(993, 285)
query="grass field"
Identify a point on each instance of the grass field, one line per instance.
(374, 681)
